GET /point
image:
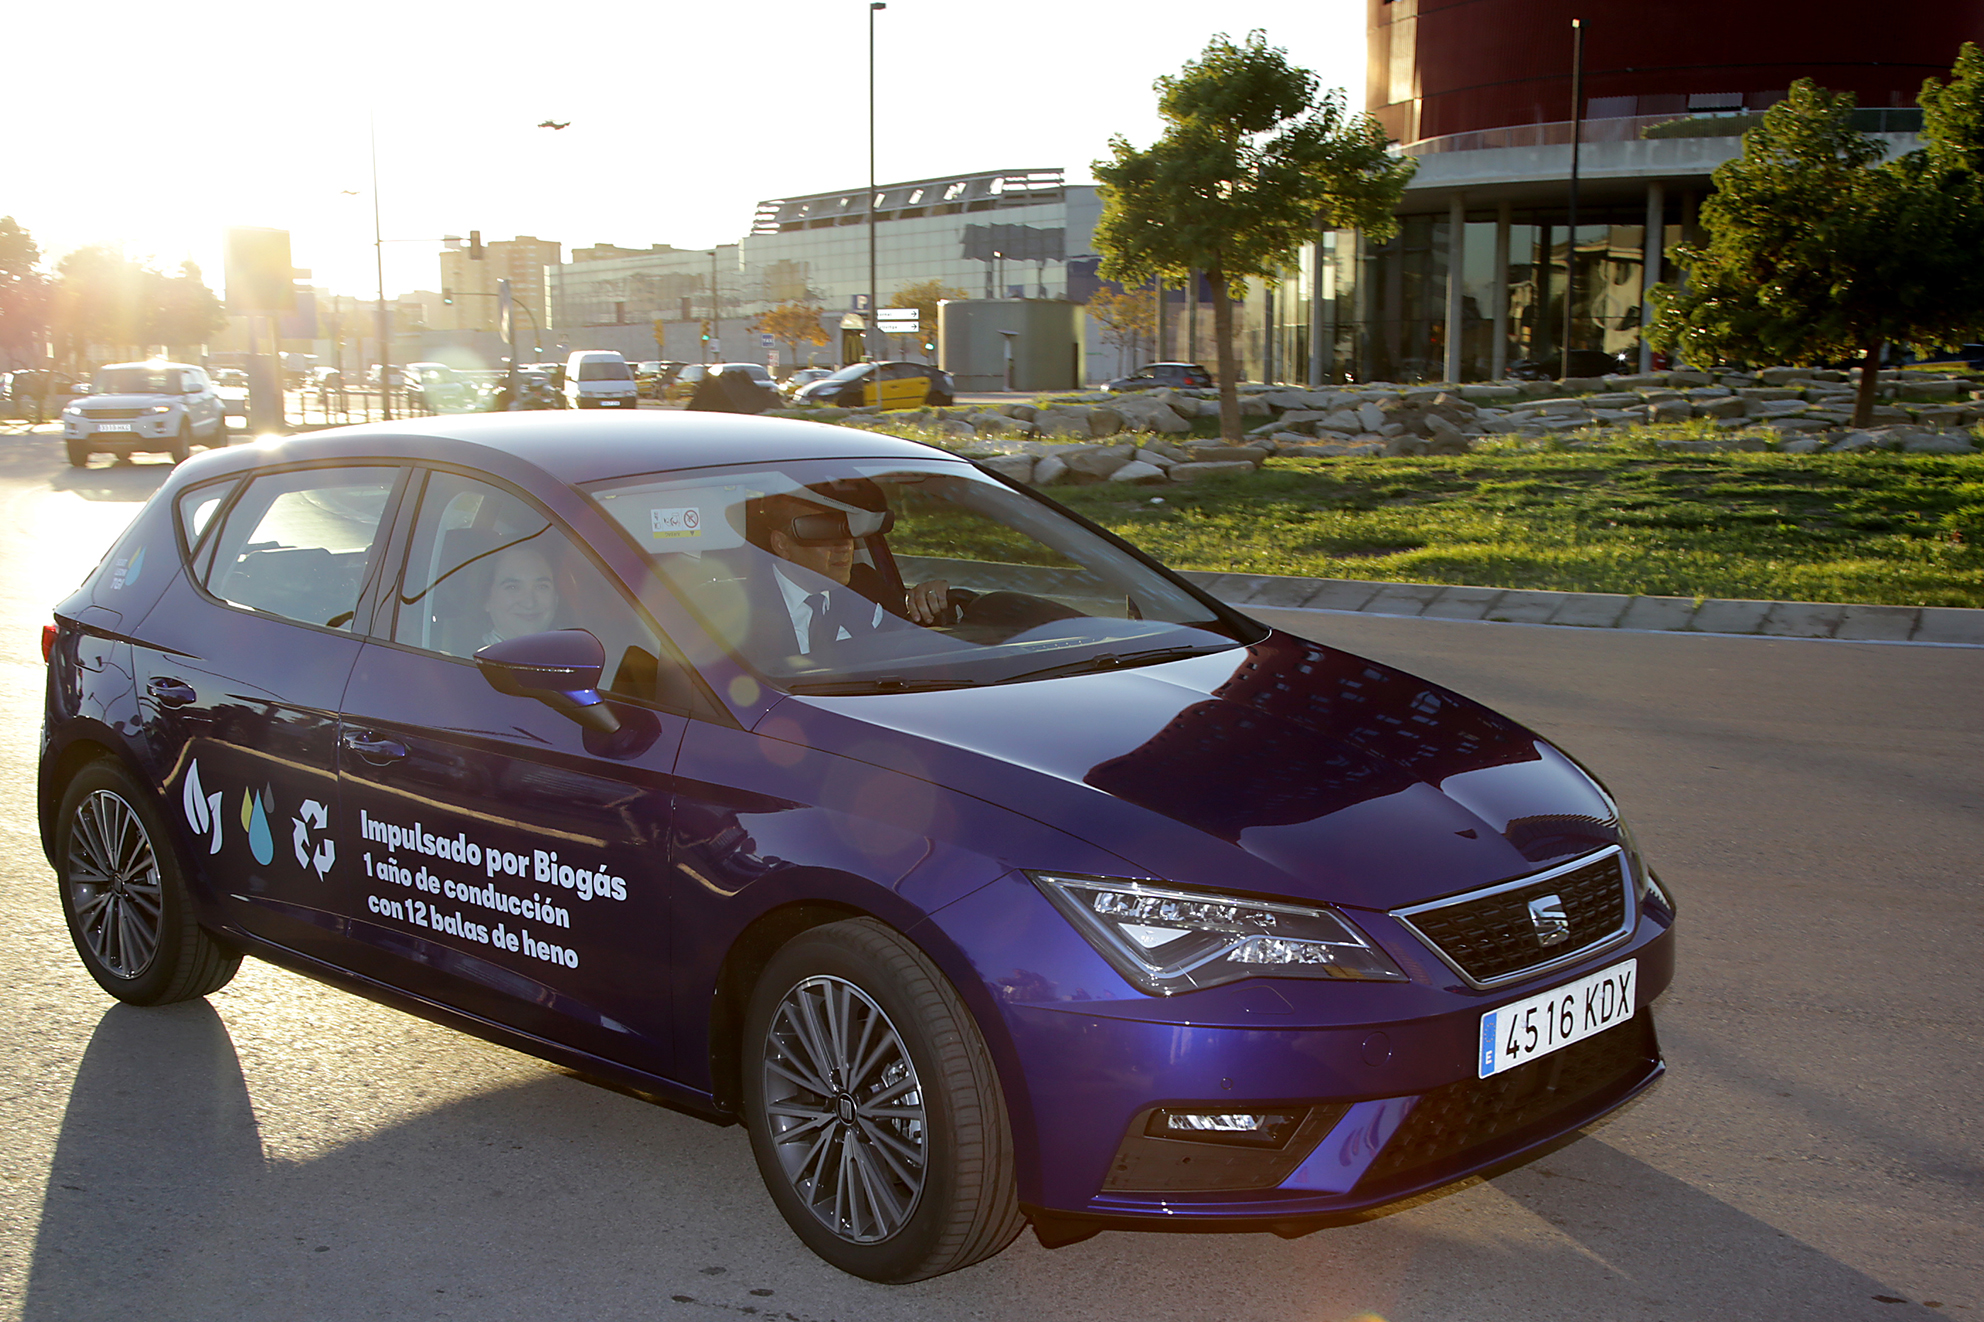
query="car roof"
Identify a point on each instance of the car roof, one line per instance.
(589, 447)
(150, 362)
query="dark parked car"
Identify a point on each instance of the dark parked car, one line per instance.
(1182, 376)
(983, 869)
(893, 385)
(1584, 362)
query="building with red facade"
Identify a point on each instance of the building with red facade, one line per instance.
(1479, 93)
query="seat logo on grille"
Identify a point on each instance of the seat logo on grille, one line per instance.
(1552, 924)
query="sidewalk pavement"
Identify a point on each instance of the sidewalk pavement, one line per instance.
(1948, 626)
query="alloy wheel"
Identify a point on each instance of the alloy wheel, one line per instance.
(114, 885)
(845, 1109)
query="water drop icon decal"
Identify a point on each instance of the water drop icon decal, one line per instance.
(255, 820)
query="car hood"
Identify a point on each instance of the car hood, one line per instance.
(1286, 767)
(126, 401)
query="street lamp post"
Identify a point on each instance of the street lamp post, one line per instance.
(1571, 230)
(874, 330)
(379, 261)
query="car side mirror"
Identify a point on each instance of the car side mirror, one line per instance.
(81, 389)
(560, 669)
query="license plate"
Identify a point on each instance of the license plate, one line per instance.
(1550, 1021)
(113, 426)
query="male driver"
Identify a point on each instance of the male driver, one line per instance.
(820, 537)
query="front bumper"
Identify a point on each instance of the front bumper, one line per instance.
(1386, 1074)
(156, 427)
(607, 402)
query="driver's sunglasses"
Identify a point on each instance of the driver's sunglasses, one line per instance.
(837, 526)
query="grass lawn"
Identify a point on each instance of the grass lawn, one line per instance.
(1878, 529)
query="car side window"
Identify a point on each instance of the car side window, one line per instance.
(485, 565)
(197, 507)
(296, 544)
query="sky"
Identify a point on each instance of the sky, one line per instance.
(153, 128)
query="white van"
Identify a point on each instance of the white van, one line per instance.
(599, 379)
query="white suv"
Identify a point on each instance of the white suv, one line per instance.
(154, 406)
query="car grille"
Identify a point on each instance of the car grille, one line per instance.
(1489, 937)
(1448, 1121)
(111, 415)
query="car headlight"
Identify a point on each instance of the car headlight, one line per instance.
(1645, 885)
(159, 408)
(73, 411)
(1167, 940)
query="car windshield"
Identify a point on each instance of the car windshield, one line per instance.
(136, 381)
(851, 576)
(852, 372)
(604, 369)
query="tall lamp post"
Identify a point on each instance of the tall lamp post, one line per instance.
(874, 330)
(1571, 230)
(379, 262)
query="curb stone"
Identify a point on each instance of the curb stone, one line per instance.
(1949, 626)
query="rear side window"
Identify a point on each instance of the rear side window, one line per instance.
(486, 565)
(297, 544)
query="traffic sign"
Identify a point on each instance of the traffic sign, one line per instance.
(766, 341)
(898, 321)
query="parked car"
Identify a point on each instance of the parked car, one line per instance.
(799, 380)
(1584, 362)
(150, 406)
(891, 384)
(438, 388)
(39, 393)
(599, 379)
(983, 868)
(652, 377)
(692, 375)
(1182, 376)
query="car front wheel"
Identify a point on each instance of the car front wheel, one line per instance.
(182, 444)
(874, 1109)
(124, 895)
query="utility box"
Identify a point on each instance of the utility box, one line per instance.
(1025, 344)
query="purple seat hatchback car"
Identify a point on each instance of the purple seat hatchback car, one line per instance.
(810, 779)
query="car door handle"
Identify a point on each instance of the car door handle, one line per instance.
(171, 692)
(379, 752)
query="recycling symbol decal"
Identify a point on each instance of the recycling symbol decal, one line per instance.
(314, 815)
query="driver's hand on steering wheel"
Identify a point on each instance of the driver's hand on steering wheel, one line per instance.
(930, 603)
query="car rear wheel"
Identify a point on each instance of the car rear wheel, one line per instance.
(874, 1109)
(124, 895)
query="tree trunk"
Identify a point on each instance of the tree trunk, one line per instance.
(1870, 374)
(1229, 367)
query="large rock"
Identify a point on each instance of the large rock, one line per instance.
(1688, 378)
(1151, 415)
(1049, 469)
(1329, 450)
(1761, 393)
(1489, 394)
(1104, 421)
(1212, 452)
(1370, 417)
(1729, 406)
(1583, 385)
(1937, 443)
(1138, 471)
(1194, 471)
(1634, 381)
(1935, 390)
(1000, 424)
(1067, 423)
(1669, 410)
(1015, 467)
(1097, 461)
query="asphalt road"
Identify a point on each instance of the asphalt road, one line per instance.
(285, 1151)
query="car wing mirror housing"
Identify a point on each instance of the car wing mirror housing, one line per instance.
(560, 669)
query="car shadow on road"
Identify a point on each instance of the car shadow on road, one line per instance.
(548, 1198)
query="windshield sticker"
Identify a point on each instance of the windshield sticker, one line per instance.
(686, 522)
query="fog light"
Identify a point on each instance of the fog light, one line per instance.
(1268, 1129)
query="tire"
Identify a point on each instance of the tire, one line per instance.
(938, 1191)
(182, 444)
(219, 438)
(124, 894)
(79, 454)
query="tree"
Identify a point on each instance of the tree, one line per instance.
(793, 324)
(1251, 164)
(924, 296)
(101, 297)
(1128, 316)
(23, 294)
(1817, 250)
